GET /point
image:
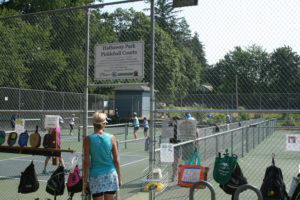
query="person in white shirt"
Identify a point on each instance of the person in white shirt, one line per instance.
(72, 123)
(188, 149)
(228, 118)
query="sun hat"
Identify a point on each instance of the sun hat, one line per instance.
(99, 118)
(188, 115)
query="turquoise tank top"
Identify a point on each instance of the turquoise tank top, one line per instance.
(136, 122)
(101, 161)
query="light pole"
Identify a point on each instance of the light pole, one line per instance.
(236, 92)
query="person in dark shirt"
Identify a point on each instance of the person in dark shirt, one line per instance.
(177, 150)
(13, 121)
(117, 115)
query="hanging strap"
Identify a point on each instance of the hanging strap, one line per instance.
(193, 157)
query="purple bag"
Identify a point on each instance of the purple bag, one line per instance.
(74, 183)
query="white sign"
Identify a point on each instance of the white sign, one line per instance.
(167, 129)
(5, 98)
(20, 125)
(52, 121)
(186, 129)
(191, 175)
(293, 142)
(105, 104)
(119, 60)
(166, 152)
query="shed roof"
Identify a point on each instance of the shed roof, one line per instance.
(134, 88)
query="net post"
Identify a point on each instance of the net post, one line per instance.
(78, 134)
(126, 135)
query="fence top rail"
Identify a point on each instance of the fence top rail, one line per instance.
(212, 136)
(112, 125)
(42, 111)
(231, 110)
(45, 91)
(132, 140)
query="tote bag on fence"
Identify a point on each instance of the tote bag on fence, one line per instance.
(190, 174)
(223, 168)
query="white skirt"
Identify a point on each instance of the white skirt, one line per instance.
(104, 183)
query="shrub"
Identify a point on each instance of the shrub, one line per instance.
(257, 115)
(199, 115)
(220, 117)
(243, 115)
(273, 115)
(173, 114)
(289, 121)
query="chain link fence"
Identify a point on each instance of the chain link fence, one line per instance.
(42, 62)
(238, 138)
(17, 100)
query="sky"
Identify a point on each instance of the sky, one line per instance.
(224, 24)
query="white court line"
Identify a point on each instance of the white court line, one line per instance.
(134, 162)
(46, 180)
(41, 161)
(15, 158)
(132, 155)
(19, 179)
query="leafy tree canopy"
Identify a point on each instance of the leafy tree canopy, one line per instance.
(32, 6)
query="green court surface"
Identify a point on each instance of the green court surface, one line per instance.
(133, 160)
(254, 164)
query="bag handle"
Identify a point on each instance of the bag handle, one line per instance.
(193, 157)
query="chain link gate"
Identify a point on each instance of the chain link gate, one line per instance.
(43, 60)
(46, 52)
(247, 82)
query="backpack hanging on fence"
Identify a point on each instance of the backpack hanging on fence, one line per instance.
(35, 138)
(74, 184)
(237, 179)
(56, 183)
(12, 138)
(49, 139)
(294, 193)
(23, 139)
(273, 187)
(28, 181)
(2, 137)
(228, 173)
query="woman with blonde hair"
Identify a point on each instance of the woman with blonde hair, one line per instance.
(101, 162)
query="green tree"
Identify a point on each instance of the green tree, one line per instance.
(12, 69)
(32, 6)
(198, 49)
(54, 44)
(285, 65)
(165, 15)
(68, 35)
(250, 66)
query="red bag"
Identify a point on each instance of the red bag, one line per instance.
(190, 174)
